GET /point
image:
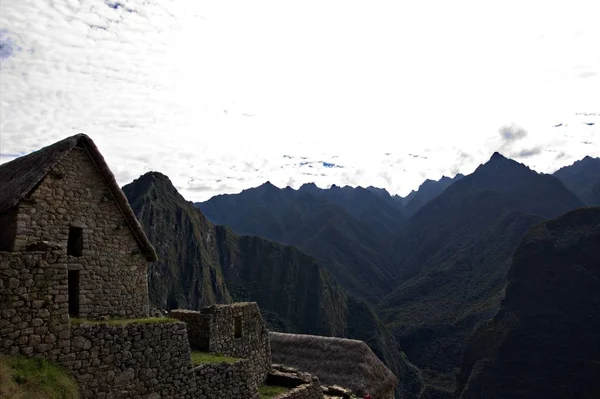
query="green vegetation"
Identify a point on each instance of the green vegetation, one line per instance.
(271, 391)
(123, 322)
(23, 378)
(199, 357)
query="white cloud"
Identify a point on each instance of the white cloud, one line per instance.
(213, 94)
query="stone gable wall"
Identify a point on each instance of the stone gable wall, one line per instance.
(113, 271)
(217, 322)
(132, 361)
(34, 319)
(226, 380)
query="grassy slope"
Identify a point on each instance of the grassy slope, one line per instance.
(23, 378)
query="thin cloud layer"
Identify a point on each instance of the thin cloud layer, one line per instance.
(221, 97)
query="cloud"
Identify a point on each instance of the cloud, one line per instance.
(7, 45)
(526, 153)
(148, 80)
(512, 133)
(586, 75)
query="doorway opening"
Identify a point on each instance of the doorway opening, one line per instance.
(74, 293)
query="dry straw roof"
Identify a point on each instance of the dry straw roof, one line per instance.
(19, 177)
(336, 361)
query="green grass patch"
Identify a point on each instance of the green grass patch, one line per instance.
(123, 322)
(206, 357)
(22, 378)
(271, 391)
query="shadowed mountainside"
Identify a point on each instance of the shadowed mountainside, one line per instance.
(583, 179)
(441, 274)
(454, 255)
(315, 221)
(427, 191)
(200, 264)
(543, 342)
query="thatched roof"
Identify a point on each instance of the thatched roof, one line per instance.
(20, 176)
(336, 361)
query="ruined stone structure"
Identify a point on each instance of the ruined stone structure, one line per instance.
(236, 330)
(73, 255)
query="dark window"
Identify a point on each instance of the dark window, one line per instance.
(75, 244)
(238, 327)
(8, 229)
(74, 293)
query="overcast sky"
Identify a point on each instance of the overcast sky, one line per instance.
(222, 96)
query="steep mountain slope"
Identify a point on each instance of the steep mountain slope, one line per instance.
(427, 191)
(181, 236)
(356, 255)
(453, 258)
(583, 179)
(200, 263)
(543, 342)
(382, 217)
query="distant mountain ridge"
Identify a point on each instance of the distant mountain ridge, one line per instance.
(333, 225)
(583, 179)
(433, 276)
(427, 191)
(201, 264)
(453, 257)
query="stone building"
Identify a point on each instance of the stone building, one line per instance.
(64, 198)
(71, 247)
(236, 330)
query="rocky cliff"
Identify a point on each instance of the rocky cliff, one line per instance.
(543, 342)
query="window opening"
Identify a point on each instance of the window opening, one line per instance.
(238, 327)
(75, 243)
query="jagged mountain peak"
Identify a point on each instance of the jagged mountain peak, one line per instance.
(500, 164)
(310, 185)
(497, 156)
(267, 184)
(149, 180)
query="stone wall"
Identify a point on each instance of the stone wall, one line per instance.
(34, 317)
(226, 380)
(132, 361)
(113, 271)
(217, 324)
(303, 385)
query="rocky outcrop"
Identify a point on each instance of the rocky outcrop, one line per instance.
(543, 342)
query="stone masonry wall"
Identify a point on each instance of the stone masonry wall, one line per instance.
(113, 271)
(219, 323)
(132, 361)
(303, 385)
(226, 380)
(198, 326)
(34, 319)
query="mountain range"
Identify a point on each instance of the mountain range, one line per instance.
(433, 270)
(201, 264)
(413, 277)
